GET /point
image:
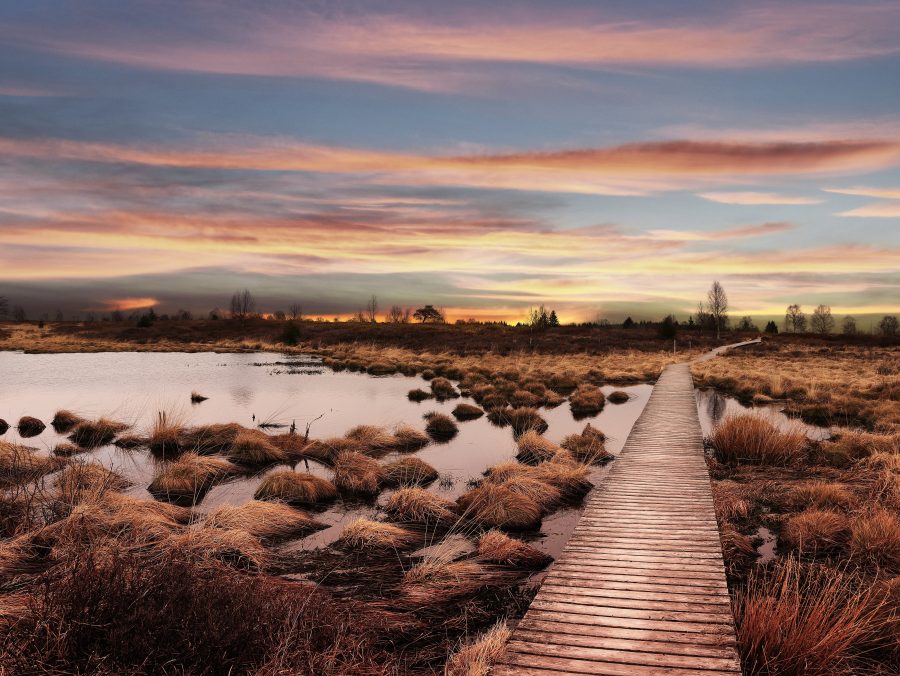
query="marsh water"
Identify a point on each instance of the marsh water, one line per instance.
(273, 388)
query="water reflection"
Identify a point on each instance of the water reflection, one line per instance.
(713, 407)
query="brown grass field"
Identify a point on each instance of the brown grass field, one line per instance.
(88, 575)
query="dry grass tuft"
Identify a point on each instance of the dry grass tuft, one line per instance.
(19, 464)
(81, 479)
(587, 399)
(440, 427)
(95, 433)
(325, 450)
(409, 472)
(801, 619)
(476, 657)
(165, 436)
(569, 478)
(815, 531)
(750, 438)
(272, 521)
(65, 450)
(442, 388)
(821, 494)
(467, 412)
(588, 447)
(544, 494)
(499, 548)
(434, 582)
(849, 446)
(875, 540)
(295, 488)
(737, 550)
(497, 506)
(254, 448)
(534, 448)
(188, 479)
(365, 535)
(418, 394)
(358, 474)
(416, 505)
(30, 427)
(618, 397)
(563, 383)
(371, 439)
(233, 547)
(65, 420)
(408, 439)
(207, 439)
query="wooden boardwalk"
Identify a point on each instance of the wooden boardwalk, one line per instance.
(640, 586)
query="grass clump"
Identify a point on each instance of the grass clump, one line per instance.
(271, 521)
(409, 472)
(434, 582)
(821, 494)
(440, 427)
(562, 383)
(534, 448)
(586, 400)
(750, 438)
(418, 394)
(30, 427)
(476, 657)
(66, 450)
(254, 448)
(197, 398)
(498, 548)
(371, 439)
(207, 439)
(416, 505)
(19, 463)
(357, 474)
(188, 479)
(875, 540)
(588, 447)
(325, 450)
(408, 439)
(442, 388)
(522, 419)
(95, 433)
(497, 506)
(467, 412)
(65, 420)
(365, 535)
(618, 397)
(295, 488)
(815, 531)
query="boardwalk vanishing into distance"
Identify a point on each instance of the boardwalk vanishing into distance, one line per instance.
(640, 586)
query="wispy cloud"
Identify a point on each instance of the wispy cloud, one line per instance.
(877, 210)
(863, 191)
(756, 198)
(740, 232)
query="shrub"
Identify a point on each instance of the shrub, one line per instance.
(290, 335)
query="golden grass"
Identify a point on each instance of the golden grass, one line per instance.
(498, 548)
(371, 439)
(357, 474)
(534, 448)
(587, 399)
(234, 547)
(442, 388)
(19, 463)
(546, 495)
(365, 535)
(433, 582)
(87, 478)
(187, 479)
(164, 438)
(476, 657)
(206, 439)
(875, 540)
(416, 505)
(467, 412)
(821, 494)
(271, 521)
(751, 438)
(295, 488)
(440, 427)
(806, 620)
(569, 478)
(497, 506)
(815, 531)
(738, 551)
(409, 472)
(254, 448)
(94, 433)
(325, 450)
(588, 447)
(408, 439)
(65, 420)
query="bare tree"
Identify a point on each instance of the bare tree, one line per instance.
(398, 315)
(746, 324)
(372, 310)
(296, 311)
(849, 326)
(717, 307)
(794, 319)
(4, 307)
(888, 325)
(822, 321)
(243, 304)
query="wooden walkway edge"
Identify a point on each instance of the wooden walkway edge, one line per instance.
(640, 586)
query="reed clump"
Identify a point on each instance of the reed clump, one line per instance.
(358, 474)
(440, 427)
(752, 439)
(30, 426)
(409, 472)
(588, 447)
(95, 433)
(65, 420)
(587, 400)
(187, 479)
(464, 412)
(268, 521)
(365, 535)
(418, 506)
(300, 488)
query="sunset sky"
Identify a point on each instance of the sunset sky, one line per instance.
(602, 158)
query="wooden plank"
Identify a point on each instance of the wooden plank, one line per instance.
(640, 586)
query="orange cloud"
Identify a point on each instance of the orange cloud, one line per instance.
(756, 198)
(731, 233)
(878, 210)
(125, 304)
